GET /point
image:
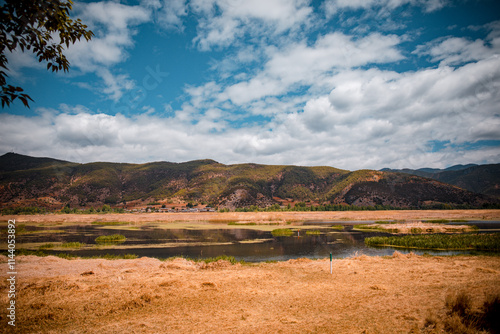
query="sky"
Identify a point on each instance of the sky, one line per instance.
(352, 84)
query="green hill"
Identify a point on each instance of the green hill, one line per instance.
(53, 183)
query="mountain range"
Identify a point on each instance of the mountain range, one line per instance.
(52, 183)
(482, 179)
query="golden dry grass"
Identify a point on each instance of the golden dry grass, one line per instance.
(364, 295)
(411, 227)
(258, 217)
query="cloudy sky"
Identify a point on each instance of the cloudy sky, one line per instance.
(345, 83)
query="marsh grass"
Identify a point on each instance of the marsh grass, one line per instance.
(116, 223)
(110, 239)
(72, 245)
(313, 232)
(230, 259)
(45, 232)
(242, 224)
(337, 227)
(479, 242)
(438, 221)
(220, 221)
(207, 260)
(282, 232)
(115, 257)
(462, 318)
(416, 230)
(67, 256)
(47, 246)
(374, 228)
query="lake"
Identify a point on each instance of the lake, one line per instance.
(251, 245)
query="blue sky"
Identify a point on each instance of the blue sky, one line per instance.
(345, 83)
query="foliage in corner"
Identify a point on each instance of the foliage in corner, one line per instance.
(31, 25)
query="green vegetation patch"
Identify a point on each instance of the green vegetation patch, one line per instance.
(374, 228)
(72, 245)
(337, 227)
(110, 239)
(115, 256)
(242, 224)
(230, 259)
(44, 232)
(480, 242)
(41, 253)
(282, 232)
(313, 232)
(109, 223)
(47, 246)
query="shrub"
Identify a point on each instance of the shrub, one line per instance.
(462, 319)
(282, 232)
(110, 239)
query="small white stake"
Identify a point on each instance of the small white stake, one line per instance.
(331, 268)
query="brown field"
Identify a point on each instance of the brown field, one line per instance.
(261, 217)
(397, 294)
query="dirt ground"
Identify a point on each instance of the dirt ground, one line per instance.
(364, 295)
(262, 217)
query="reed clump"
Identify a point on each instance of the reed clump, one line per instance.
(478, 242)
(282, 232)
(110, 239)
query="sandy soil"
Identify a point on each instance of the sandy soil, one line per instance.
(262, 217)
(364, 295)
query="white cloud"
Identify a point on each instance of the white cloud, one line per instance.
(113, 25)
(318, 101)
(168, 14)
(458, 50)
(371, 119)
(302, 65)
(332, 7)
(222, 22)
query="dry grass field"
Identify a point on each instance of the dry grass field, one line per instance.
(398, 294)
(261, 217)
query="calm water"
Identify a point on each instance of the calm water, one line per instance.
(340, 244)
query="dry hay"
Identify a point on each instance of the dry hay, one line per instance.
(419, 227)
(365, 294)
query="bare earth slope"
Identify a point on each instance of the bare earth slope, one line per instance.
(364, 295)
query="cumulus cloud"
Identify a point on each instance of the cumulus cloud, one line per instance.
(371, 119)
(222, 21)
(168, 14)
(303, 65)
(458, 50)
(113, 25)
(332, 7)
(328, 99)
